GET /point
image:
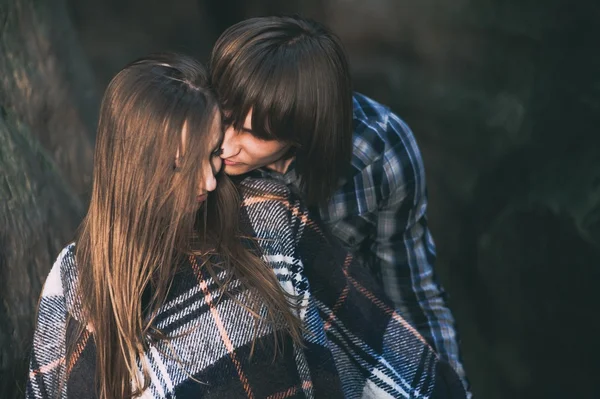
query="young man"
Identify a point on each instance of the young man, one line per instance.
(285, 88)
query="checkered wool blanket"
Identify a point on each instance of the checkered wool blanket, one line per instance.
(355, 344)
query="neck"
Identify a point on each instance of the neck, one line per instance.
(281, 165)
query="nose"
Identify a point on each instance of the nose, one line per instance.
(230, 145)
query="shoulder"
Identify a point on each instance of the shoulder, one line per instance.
(59, 278)
(384, 147)
(276, 217)
(270, 204)
(62, 280)
(367, 108)
(378, 132)
(254, 188)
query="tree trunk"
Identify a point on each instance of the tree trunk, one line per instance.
(46, 81)
(47, 114)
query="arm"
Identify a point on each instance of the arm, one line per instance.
(404, 249)
(47, 364)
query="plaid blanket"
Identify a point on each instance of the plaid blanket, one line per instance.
(355, 344)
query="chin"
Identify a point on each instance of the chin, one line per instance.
(235, 171)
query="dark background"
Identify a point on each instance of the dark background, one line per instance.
(503, 97)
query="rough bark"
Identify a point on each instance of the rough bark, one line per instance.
(47, 108)
(38, 214)
(45, 80)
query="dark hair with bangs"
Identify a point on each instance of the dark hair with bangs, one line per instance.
(293, 73)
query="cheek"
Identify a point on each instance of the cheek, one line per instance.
(265, 151)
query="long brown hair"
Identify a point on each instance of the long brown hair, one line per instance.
(142, 219)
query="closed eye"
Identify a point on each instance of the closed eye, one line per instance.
(218, 152)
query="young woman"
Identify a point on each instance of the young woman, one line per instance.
(163, 296)
(154, 206)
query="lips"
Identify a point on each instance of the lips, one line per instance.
(201, 198)
(231, 163)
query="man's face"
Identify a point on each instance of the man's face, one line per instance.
(243, 152)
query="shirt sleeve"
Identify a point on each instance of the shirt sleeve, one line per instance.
(404, 249)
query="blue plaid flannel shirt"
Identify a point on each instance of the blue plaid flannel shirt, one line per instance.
(380, 214)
